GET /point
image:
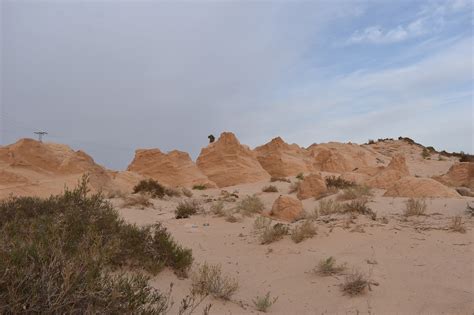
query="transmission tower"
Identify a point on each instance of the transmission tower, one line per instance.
(40, 135)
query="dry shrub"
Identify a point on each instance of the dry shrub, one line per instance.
(151, 187)
(270, 188)
(470, 210)
(457, 225)
(187, 208)
(172, 192)
(261, 223)
(279, 179)
(326, 207)
(199, 187)
(355, 283)
(338, 182)
(217, 208)
(209, 280)
(303, 231)
(250, 205)
(328, 267)
(140, 201)
(415, 207)
(300, 176)
(359, 206)
(294, 187)
(355, 192)
(274, 233)
(263, 303)
(231, 218)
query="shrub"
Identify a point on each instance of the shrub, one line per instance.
(338, 182)
(302, 232)
(356, 283)
(294, 187)
(59, 253)
(355, 192)
(199, 187)
(231, 218)
(371, 141)
(326, 207)
(141, 201)
(263, 303)
(270, 188)
(415, 207)
(300, 176)
(151, 187)
(328, 267)
(425, 153)
(172, 192)
(217, 208)
(457, 225)
(250, 205)
(261, 223)
(273, 233)
(187, 208)
(208, 280)
(279, 179)
(359, 206)
(470, 210)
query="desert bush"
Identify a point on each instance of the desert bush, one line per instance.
(415, 207)
(231, 218)
(151, 187)
(355, 192)
(263, 303)
(217, 208)
(425, 153)
(338, 182)
(270, 188)
(457, 225)
(303, 231)
(279, 179)
(250, 205)
(470, 210)
(355, 283)
(188, 193)
(261, 223)
(294, 187)
(359, 206)
(140, 201)
(328, 267)
(172, 192)
(371, 141)
(199, 187)
(326, 207)
(274, 233)
(58, 255)
(187, 208)
(209, 280)
(300, 176)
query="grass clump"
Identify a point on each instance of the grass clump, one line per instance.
(355, 192)
(326, 207)
(425, 153)
(279, 179)
(151, 187)
(250, 205)
(199, 187)
(217, 208)
(187, 208)
(59, 255)
(270, 188)
(274, 233)
(338, 182)
(355, 283)
(300, 176)
(261, 223)
(359, 206)
(328, 267)
(263, 303)
(208, 280)
(303, 231)
(457, 225)
(415, 207)
(140, 201)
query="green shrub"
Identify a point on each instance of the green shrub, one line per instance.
(187, 208)
(263, 303)
(338, 182)
(199, 187)
(250, 205)
(303, 231)
(208, 280)
(59, 253)
(150, 186)
(425, 153)
(300, 176)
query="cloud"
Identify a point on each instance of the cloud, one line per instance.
(377, 35)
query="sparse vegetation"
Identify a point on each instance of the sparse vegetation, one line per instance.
(172, 192)
(217, 208)
(355, 192)
(300, 176)
(356, 283)
(250, 205)
(151, 187)
(261, 223)
(328, 267)
(425, 153)
(338, 182)
(58, 255)
(279, 179)
(359, 206)
(263, 303)
(231, 218)
(303, 231)
(415, 207)
(470, 210)
(140, 201)
(187, 208)
(273, 233)
(326, 207)
(371, 141)
(208, 280)
(457, 225)
(199, 187)
(270, 188)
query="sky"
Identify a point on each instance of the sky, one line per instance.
(109, 77)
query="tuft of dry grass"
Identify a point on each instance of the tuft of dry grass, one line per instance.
(270, 188)
(274, 233)
(199, 187)
(303, 231)
(263, 303)
(261, 223)
(140, 201)
(328, 267)
(355, 192)
(187, 208)
(415, 207)
(457, 225)
(250, 205)
(231, 218)
(209, 280)
(359, 206)
(356, 283)
(217, 208)
(300, 176)
(279, 179)
(326, 207)
(338, 182)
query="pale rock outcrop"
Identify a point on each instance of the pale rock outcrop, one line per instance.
(459, 175)
(415, 187)
(226, 162)
(172, 169)
(287, 208)
(281, 159)
(313, 185)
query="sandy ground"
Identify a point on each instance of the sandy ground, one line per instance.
(421, 267)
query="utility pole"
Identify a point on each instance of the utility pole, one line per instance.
(40, 135)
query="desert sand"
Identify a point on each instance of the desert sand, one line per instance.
(416, 264)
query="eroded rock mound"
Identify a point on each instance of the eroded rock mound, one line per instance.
(281, 159)
(287, 208)
(387, 176)
(226, 162)
(312, 185)
(459, 175)
(173, 169)
(419, 187)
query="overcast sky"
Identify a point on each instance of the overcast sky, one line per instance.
(109, 77)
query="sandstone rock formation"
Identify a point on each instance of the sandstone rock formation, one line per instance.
(173, 169)
(281, 159)
(459, 175)
(226, 162)
(419, 187)
(287, 208)
(387, 176)
(312, 185)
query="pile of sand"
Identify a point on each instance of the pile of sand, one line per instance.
(173, 169)
(226, 162)
(459, 175)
